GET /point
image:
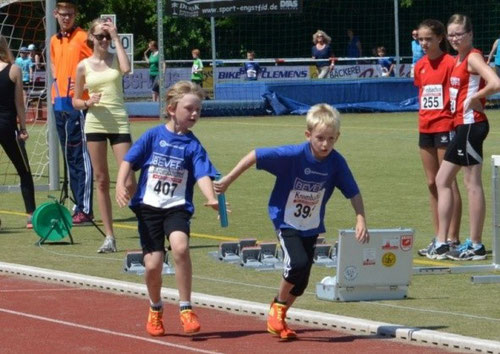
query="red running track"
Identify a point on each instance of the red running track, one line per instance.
(37, 317)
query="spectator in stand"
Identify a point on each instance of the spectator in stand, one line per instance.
(495, 49)
(25, 63)
(153, 60)
(354, 45)
(35, 58)
(386, 63)
(416, 50)
(197, 68)
(322, 50)
(252, 69)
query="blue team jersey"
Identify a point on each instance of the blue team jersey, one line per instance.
(303, 185)
(386, 63)
(170, 165)
(252, 70)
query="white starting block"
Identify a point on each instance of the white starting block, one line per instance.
(250, 257)
(378, 270)
(228, 252)
(324, 255)
(269, 254)
(261, 257)
(134, 263)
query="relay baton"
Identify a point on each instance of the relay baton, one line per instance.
(222, 205)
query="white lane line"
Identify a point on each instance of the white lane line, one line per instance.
(106, 331)
(39, 290)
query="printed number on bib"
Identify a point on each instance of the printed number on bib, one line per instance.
(302, 209)
(432, 97)
(166, 184)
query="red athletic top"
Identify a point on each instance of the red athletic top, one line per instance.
(463, 85)
(433, 80)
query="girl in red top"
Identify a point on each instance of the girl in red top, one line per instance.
(432, 77)
(471, 81)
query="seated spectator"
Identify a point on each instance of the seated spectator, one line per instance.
(386, 63)
(252, 69)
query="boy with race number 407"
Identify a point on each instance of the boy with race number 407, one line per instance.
(306, 176)
(171, 160)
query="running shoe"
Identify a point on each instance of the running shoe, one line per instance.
(438, 253)
(453, 244)
(29, 222)
(108, 246)
(155, 323)
(189, 322)
(467, 252)
(81, 219)
(423, 251)
(288, 333)
(276, 318)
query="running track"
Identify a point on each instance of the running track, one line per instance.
(51, 318)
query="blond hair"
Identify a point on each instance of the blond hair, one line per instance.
(326, 38)
(323, 115)
(179, 90)
(93, 25)
(5, 53)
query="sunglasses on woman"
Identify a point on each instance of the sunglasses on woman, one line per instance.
(100, 37)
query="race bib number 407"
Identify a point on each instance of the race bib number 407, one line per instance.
(166, 183)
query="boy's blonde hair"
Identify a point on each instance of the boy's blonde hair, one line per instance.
(179, 90)
(323, 115)
(196, 52)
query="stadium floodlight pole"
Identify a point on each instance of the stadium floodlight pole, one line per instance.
(50, 30)
(161, 59)
(396, 35)
(214, 53)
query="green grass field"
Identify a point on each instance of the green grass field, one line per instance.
(383, 155)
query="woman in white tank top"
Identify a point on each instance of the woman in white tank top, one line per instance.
(106, 118)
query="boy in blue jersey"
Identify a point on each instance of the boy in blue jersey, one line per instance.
(172, 160)
(306, 176)
(251, 68)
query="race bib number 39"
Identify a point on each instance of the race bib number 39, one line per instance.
(166, 184)
(303, 208)
(432, 97)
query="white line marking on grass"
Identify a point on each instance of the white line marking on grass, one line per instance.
(433, 311)
(105, 331)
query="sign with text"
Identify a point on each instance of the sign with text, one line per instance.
(127, 40)
(109, 17)
(217, 8)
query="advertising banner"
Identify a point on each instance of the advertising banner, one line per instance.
(217, 8)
